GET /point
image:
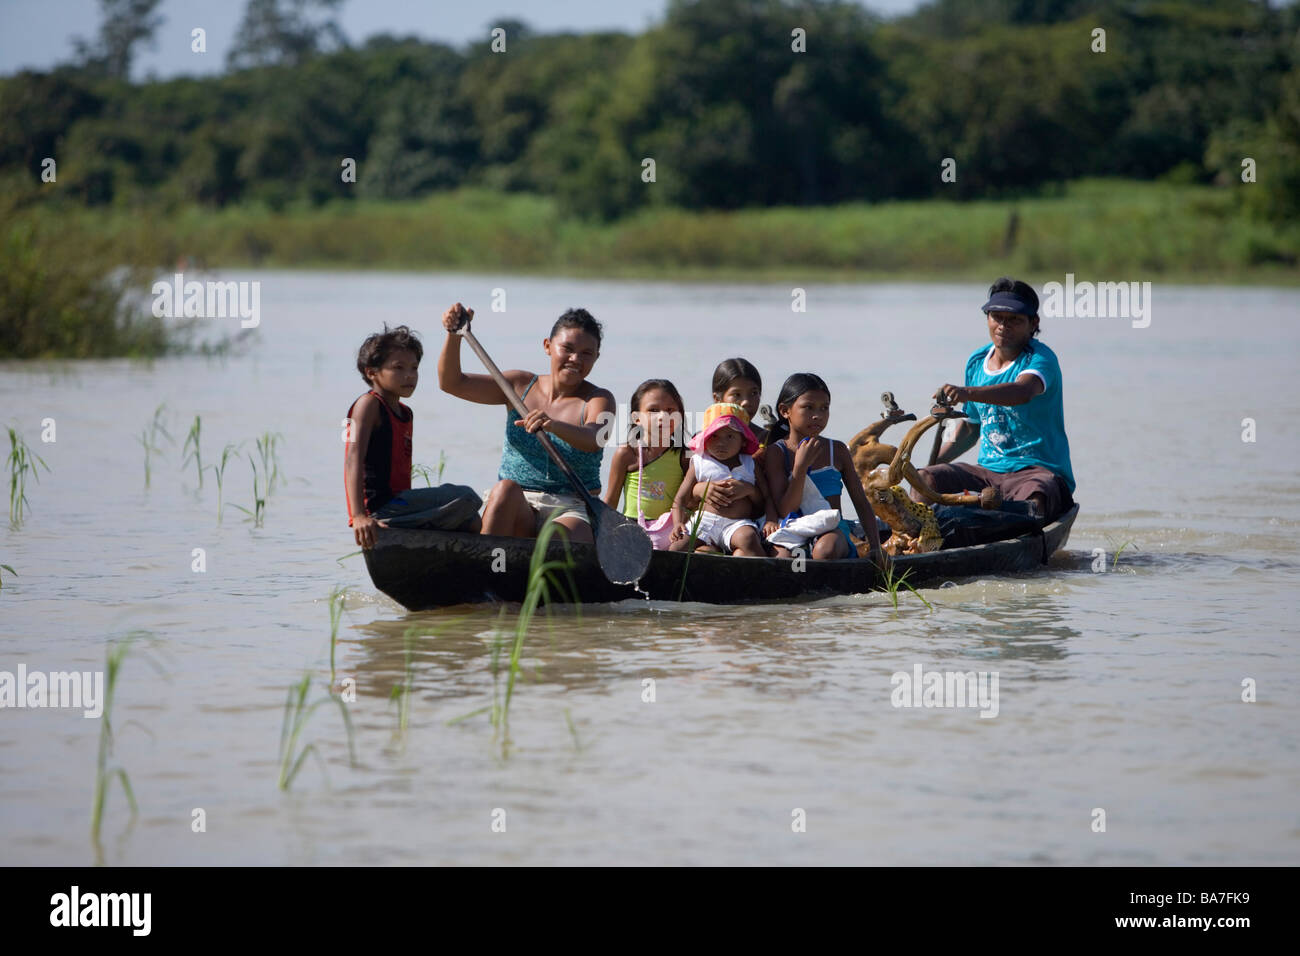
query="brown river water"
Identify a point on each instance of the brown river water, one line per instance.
(1118, 691)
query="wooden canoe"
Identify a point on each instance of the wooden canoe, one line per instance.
(429, 569)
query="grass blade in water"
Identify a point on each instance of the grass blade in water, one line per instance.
(695, 534)
(296, 714)
(191, 451)
(21, 462)
(104, 773)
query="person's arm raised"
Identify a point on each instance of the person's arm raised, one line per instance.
(481, 389)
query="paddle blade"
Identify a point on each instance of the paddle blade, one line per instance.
(623, 549)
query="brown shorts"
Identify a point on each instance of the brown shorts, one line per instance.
(1013, 485)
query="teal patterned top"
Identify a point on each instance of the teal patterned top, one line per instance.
(524, 460)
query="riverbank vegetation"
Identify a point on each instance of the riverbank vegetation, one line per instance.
(1166, 230)
(71, 291)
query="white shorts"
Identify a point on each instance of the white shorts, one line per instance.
(715, 530)
(568, 506)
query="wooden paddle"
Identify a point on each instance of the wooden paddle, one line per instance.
(622, 546)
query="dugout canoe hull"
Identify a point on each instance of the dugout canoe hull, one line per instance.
(429, 569)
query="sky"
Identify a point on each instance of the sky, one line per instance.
(37, 34)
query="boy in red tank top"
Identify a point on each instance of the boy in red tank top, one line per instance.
(377, 462)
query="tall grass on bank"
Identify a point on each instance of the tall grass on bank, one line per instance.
(74, 292)
(1109, 229)
(22, 461)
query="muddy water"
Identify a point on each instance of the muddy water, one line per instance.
(1118, 690)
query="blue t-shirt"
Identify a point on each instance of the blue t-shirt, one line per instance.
(1020, 436)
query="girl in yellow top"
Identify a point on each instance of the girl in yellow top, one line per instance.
(647, 471)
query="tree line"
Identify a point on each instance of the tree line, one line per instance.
(740, 103)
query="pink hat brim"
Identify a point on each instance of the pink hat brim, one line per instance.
(698, 442)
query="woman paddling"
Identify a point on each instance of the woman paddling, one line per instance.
(562, 403)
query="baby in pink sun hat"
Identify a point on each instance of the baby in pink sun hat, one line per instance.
(724, 457)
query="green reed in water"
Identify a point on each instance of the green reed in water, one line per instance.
(148, 440)
(494, 667)
(892, 581)
(219, 471)
(268, 450)
(546, 581)
(191, 450)
(337, 598)
(424, 471)
(543, 581)
(695, 533)
(5, 567)
(573, 731)
(258, 512)
(21, 462)
(104, 773)
(1123, 546)
(402, 692)
(296, 714)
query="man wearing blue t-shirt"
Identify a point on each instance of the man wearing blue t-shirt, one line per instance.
(1013, 408)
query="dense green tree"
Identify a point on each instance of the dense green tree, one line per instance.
(425, 140)
(36, 112)
(284, 31)
(957, 18)
(718, 95)
(127, 23)
(733, 114)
